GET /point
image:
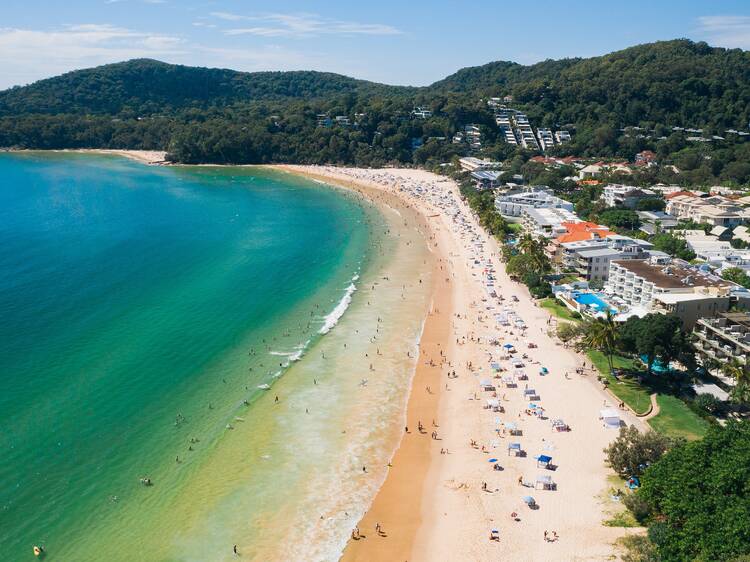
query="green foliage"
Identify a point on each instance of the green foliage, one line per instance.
(676, 247)
(737, 275)
(567, 331)
(632, 452)
(223, 116)
(656, 336)
(710, 404)
(638, 507)
(600, 334)
(620, 218)
(651, 204)
(699, 496)
(638, 548)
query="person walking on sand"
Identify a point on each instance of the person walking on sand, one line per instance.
(234, 549)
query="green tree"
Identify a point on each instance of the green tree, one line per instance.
(601, 334)
(737, 275)
(740, 373)
(632, 452)
(700, 498)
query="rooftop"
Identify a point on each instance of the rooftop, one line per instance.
(584, 230)
(671, 276)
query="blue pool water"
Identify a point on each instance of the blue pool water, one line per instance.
(590, 299)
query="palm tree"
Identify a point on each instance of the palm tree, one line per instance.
(601, 334)
(741, 375)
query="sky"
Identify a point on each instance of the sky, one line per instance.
(393, 41)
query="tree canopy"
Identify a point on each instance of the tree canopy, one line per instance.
(699, 497)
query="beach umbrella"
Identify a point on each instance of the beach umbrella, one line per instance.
(532, 406)
(528, 500)
(492, 460)
(508, 346)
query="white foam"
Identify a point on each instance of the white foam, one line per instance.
(335, 315)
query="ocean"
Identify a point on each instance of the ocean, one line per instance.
(241, 338)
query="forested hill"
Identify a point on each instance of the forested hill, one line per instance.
(670, 82)
(144, 87)
(215, 115)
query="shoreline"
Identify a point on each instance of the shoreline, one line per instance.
(435, 506)
(414, 451)
(148, 157)
(431, 505)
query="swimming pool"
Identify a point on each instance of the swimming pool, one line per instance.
(592, 300)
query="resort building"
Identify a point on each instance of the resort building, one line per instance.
(472, 164)
(723, 338)
(591, 258)
(486, 179)
(653, 221)
(615, 195)
(562, 136)
(643, 286)
(545, 221)
(513, 205)
(546, 140)
(716, 210)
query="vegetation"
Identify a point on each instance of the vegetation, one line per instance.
(655, 336)
(677, 420)
(675, 247)
(632, 452)
(737, 275)
(697, 497)
(600, 334)
(741, 375)
(222, 116)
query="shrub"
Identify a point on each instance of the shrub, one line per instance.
(709, 403)
(637, 506)
(633, 451)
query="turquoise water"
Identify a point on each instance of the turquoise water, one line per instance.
(589, 299)
(140, 307)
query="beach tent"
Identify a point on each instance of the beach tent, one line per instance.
(546, 482)
(493, 403)
(515, 447)
(543, 460)
(486, 384)
(530, 501)
(529, 392)
(509, 380)
(495, 366)
(611, 418)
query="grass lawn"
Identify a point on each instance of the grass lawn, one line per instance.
(677, 420)
(627, 390)
(556, 308)
(515, 227)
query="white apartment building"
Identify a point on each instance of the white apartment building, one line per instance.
(546, 140)
(472, 164)
(513, 205)
(644, 286)
(716, 209)
(546, 221)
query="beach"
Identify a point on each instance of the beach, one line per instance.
(442, 496)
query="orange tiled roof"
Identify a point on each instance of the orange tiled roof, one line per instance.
(578, 231)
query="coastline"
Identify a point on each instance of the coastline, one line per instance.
(414, 451)
(435, 506)
(431, 505)
(149, 157)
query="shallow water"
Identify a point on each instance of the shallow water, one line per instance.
(142, 306)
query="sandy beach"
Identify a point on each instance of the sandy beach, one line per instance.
(443, 495)
(150, 157)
